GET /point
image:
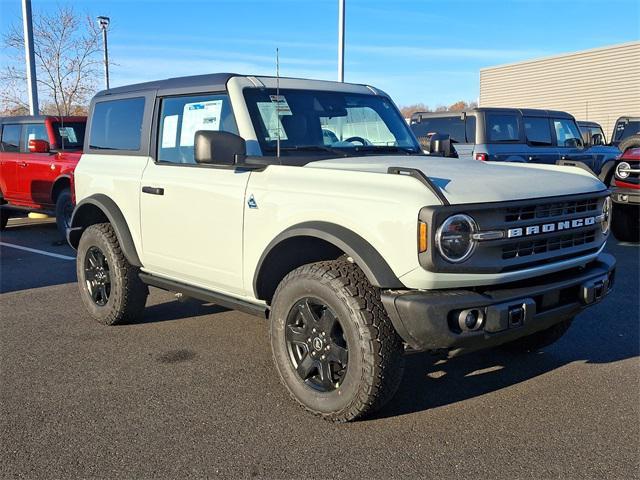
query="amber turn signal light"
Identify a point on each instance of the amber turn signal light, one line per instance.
(422, 237)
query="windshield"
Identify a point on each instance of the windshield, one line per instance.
(69, 135)
(320, 121)
(626, 129)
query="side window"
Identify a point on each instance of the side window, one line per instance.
(182, 117)
(470, 126)
(117, 124)
(537, 131)
(11, 138)
(452, 126)
(567, 133)
(32, 131)
(502, 128)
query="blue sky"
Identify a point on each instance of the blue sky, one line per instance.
(418, 51)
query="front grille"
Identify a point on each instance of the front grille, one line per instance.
(557, 242)
(548, 211)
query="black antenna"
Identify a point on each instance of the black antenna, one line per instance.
(278, 101)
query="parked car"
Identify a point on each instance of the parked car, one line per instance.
(355, 245)
(626, 197)
(626, 133)
(37, 157)
(592, 133)
(519, 135)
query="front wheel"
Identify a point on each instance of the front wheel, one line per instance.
(539, 340)
(64, 210)
(109, 285)
(333, 344)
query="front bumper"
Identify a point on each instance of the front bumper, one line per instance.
(429, 320)
(626, 196)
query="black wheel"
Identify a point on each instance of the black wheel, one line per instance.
(631, 141)
(64, 209)
(4, 218)
(334, 347)
(625, 223)
(538, 340)
(109, 285)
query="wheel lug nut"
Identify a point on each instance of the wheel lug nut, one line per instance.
(322, 357)
(314, 330)
(327, 347)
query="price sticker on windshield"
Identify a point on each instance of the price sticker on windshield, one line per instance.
(281, 104)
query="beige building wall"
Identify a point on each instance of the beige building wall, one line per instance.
(599, 85)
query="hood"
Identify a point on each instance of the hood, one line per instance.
(472, 181)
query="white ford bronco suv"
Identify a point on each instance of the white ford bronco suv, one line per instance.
(310, 203)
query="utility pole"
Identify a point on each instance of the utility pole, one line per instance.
(104, 24)
(341, 7)
(32, 83)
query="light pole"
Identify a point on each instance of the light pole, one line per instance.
(104, 24)
(341, 6)
(32, 85)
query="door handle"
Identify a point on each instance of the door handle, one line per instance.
(22, 164)
(153, 190)
(564, 157)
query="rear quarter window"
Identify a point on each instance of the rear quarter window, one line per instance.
(452, 126)
(117, 124)
(502, 127)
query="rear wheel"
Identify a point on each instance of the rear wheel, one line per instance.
(333, 345)
(64, 209)
(109, 285)
(538, 340)
(4, 218)
(625, 223)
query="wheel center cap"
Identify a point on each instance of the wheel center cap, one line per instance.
(317, 343)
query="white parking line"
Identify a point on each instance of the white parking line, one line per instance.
(33, 250)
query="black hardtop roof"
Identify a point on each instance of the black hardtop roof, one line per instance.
(533, 112)
(214, 81)
(627, 118)
(587, 123)
(37, 118)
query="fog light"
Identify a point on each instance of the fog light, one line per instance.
(470, 320)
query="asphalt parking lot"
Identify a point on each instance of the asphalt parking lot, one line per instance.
(191, 391)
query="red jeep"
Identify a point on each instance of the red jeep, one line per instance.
(37, 157)
(626, 197)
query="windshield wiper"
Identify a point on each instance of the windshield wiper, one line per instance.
(386, 148)
(315, 148)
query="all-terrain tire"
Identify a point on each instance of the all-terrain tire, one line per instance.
(127, 294)
(4, 218)
(64, 208)
(375, 352)
(539, 340)
(625, 223)
(631, 141)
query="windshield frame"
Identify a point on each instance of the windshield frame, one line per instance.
(321, 150)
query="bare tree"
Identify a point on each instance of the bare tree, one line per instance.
(409, 110)
(67, 53)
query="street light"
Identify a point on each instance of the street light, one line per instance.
(104, 24)
(341, 8)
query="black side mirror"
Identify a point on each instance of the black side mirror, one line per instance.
(596, 139)
(438, 144)
(219, 148)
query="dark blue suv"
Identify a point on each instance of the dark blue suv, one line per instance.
(518, 135)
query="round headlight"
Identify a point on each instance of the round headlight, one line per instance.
(622, 170)
(454, 238)
(606, 215)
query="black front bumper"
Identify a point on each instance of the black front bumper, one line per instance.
(626, 196)
(429, 320)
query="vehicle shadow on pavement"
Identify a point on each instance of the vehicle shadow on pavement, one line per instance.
(430, 382)
(177, 310)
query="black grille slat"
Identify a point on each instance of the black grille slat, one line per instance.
(553, 210)
(525, 248)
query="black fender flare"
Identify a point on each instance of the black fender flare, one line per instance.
(84, 216)
(374, 266)
(607, 168)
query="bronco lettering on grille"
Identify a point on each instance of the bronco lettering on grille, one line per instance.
(550, 227)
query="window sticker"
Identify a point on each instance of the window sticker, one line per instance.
(271, 121)
(68, 133)
(281, 102)
(199, 116)
(169, 131)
